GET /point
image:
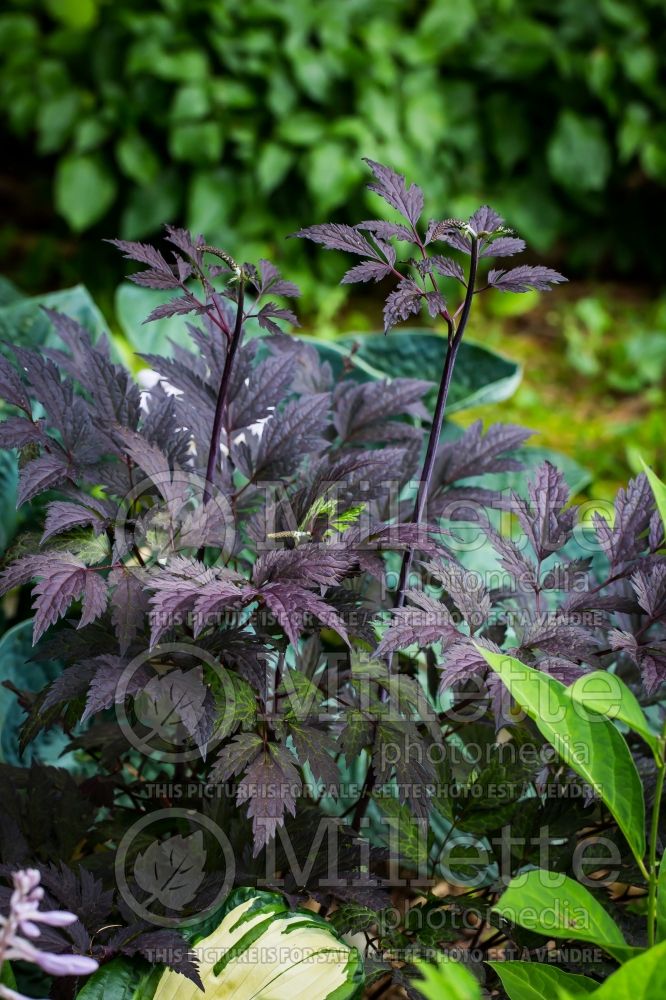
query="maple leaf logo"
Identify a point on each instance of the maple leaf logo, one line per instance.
(171, 871)
(172, 706)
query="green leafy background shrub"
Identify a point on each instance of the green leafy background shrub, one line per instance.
(243, 119)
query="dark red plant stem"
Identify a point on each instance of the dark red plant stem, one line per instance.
(455, 339)
(222, 394)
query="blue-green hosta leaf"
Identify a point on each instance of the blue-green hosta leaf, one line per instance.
(132, 306)
(556, 906)
(537, 981)
(24, 321)
(531, 457)
(590, 744)
(481, 375)
(8, 487)
(16, 666)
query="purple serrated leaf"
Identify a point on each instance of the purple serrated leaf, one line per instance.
(393, 189)
(485, 221)
(61, 515)
(402, 303)
(11, 388)
(525, 278)
(337, 236)
(15, 432)
(387, 230)
(270, 787)
(39, 475)
(367, 271)
(504, 246)
(447, 268)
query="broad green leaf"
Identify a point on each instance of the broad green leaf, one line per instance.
(578, 154)
(556, 906)
(481, 375)
(590, 744)
(273, 163)
(658, 488)
(9, 293)
(132, 305)
(8, 485)
(24, 321)
(448, 980)
(137, 158)
(537, 981)
(606, 694)
(84, 190)
(117, 980)
(661, 900)
(7, 977)
(196, 142)
(77, 14)
(18, 667)
(333, 173)
(147, 206)
(531, 457)
(641, 978)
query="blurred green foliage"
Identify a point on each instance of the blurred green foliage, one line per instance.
(248, 120)
(594, 382)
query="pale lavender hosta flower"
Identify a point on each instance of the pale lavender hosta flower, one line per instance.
(21, 923)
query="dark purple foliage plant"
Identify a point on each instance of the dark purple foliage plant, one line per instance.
(251, 572)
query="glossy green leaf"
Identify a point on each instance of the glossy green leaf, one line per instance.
(84, 190)
(118, 979)
(607, 694)
(556, 906)
(448, 979)
(537, 981)
(590, 744)
(7, 977)
(641, 978)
